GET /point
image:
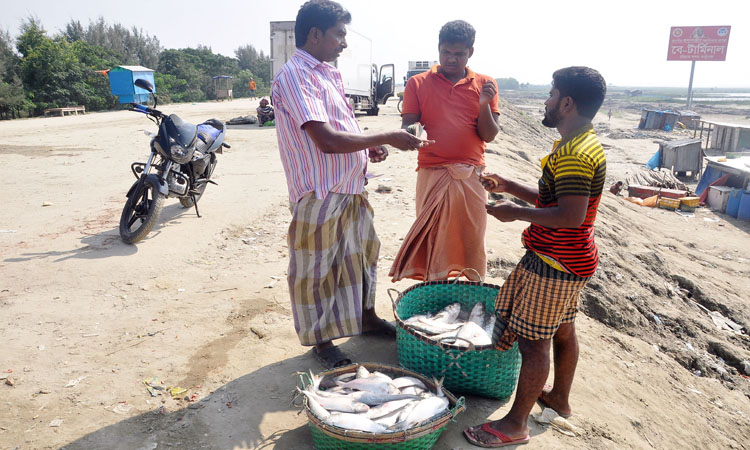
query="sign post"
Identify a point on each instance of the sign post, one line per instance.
(697, 44)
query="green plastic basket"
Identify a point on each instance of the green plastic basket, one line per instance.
(329, 437)
(478, 370)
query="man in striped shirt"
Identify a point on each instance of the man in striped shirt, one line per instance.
(537, 304)
(333, 248)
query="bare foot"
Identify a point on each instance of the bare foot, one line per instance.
(548, 399)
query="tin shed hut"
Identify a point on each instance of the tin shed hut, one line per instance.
(122, 83)
(223, 87)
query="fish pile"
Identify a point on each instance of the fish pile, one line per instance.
(451, 325)
(374, 402)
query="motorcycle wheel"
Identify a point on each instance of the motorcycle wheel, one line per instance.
(400, 100)
(187, 202)
(141, 212)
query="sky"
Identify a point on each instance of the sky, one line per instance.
(527, 40)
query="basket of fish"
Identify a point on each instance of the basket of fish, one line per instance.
(374, 406)
(445, 331)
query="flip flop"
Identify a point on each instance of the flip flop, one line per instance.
(331, 358)
(540, 401)
(385, 329)
(504, 439)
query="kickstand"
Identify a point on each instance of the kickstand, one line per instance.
(195, 203)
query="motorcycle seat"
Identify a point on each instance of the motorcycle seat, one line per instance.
(208, 132)
(182, 132)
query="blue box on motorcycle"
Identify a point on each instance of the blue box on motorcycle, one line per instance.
(122, 83)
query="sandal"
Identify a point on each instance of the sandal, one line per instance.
(504, 439)
(331, 358)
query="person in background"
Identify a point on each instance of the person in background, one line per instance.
(265, 112)
(251, 85)
(459, 111)
(537, 304)
(333, 247)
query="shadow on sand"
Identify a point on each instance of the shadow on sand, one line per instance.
(261, 415)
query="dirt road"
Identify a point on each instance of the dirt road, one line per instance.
(202, 303)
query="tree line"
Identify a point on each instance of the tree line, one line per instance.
(40, 71)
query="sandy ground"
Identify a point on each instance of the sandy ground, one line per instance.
(202, 303)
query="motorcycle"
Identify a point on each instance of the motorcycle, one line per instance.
(182, 160)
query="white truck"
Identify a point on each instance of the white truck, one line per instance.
(365, 86)
(417, 67)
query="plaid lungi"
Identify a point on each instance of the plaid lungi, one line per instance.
(534, 301)
(333, 255)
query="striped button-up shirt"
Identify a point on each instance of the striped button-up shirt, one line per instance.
(308, 90)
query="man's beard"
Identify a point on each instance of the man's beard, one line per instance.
(552, 116)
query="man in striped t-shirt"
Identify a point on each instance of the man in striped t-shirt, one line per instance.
(537, 304)
(333, 248)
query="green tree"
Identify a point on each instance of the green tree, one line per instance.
(12, 95)
(52, 75)
(507, 83)
(256, 62)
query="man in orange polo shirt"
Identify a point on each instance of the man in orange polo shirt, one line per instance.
(459, 111)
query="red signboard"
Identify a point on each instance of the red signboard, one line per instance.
(698, 43)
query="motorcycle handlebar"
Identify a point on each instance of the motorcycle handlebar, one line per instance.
(145, 109)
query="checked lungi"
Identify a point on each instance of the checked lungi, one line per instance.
(534, 301)
(333, 255)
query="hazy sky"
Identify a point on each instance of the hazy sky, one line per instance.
(527, 40)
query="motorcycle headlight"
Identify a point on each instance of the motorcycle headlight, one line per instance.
(179, 153)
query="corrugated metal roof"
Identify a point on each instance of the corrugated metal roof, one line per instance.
(136, 68)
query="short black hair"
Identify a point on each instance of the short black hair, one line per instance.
(584, 85)
(457, 32)
(320, 14)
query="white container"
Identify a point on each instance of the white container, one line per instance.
(718, 197)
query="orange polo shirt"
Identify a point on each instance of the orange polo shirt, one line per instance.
(449, 114)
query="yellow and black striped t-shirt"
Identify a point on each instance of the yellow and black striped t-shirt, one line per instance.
(575, 167)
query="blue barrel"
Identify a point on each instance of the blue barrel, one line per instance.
(733, 204)
(743, 212)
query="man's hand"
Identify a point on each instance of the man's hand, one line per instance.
(493, 182)
(488, 93)
(403, 140)
(503, 210)
(378, 154)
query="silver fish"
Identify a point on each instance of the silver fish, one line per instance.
(430, 326)
(477, 314)
(371, 399)
(339, 403)
(449, 314)
(374, 385)
(424, 410)
(474, 333)
(320, 412)
(402, 382)
(387, 408)
(354, 422)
